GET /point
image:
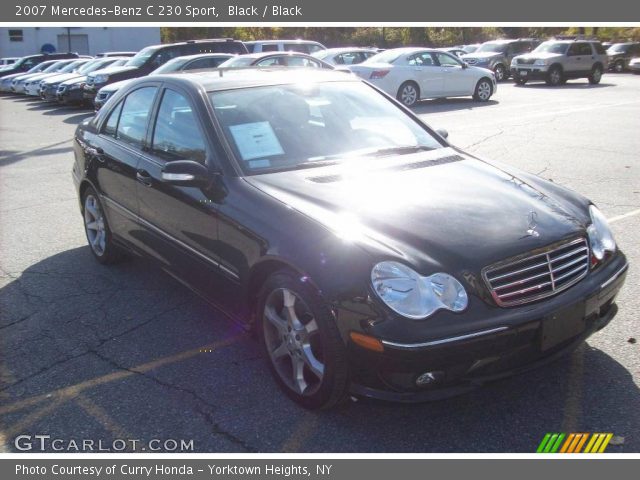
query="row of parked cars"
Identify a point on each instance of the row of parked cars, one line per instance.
(409, 74)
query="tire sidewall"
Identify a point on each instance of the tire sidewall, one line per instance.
(111, 253)
(402, 87)
(476, 94)
(335, 379)
(550, 80)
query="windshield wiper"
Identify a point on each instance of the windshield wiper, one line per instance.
(400, 150)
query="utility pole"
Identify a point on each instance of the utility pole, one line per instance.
(68, 39)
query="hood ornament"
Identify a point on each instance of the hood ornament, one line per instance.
(532, 223)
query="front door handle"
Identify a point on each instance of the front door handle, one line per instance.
(96, 152)
(144, 178)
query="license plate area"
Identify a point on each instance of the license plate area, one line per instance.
(563, 325)
(524, 73)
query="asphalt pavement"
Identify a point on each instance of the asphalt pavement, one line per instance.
(101, 353)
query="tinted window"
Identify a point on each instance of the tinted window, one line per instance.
(166, 54)
(111, 125)
(351, 58)
(211, 62)
(584, 49)
(272, 61)
(270, 47)
(132, 126)
(314, 48)
(176, 135)
(600, 50)
(296, 47)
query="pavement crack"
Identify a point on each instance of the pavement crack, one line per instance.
(203, 407)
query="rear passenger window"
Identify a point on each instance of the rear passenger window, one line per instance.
(176, 135)
(270, 47)
(111, 124)
(132, 126)
(584, 49)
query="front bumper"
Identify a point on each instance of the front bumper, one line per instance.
(71, 96)
(532, 72)
(49, 94)
(521, 339)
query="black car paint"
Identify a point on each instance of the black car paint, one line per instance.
(19, 67)
(223, 240)
(124, 72)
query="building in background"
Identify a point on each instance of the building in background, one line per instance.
(21, 41)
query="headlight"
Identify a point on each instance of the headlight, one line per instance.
(600, 235)
(101, 78)
(413, 296)
(540, 62)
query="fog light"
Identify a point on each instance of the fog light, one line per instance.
(428, 378)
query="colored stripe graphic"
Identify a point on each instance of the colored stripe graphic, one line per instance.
(574, 442)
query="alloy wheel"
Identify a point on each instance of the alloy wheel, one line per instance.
(293, 341)
(484, 90)
(500, 73)
(94, 225)
(619, 67)
(409, 95)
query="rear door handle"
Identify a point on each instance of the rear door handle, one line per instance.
(144, 178)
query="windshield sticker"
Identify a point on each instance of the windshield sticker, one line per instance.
(255, 140)
(262, 163)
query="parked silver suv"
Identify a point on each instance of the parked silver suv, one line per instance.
(557, 61)
(496, 55)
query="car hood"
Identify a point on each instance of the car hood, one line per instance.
(539, 56)
(42, 76)
(114, 87)
(62, 77)
(480, 55)
(112, 70)
(74, 80)
(439, 209)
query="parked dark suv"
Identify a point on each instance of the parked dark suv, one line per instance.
(620, 54)
(496, 55)
(26, 63)
(150, 58)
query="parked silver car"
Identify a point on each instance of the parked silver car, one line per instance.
(557, 61)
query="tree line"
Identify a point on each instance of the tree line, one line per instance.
(389, 37)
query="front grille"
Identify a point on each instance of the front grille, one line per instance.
(526, 61)
(538, 276)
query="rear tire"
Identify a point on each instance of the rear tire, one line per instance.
(555, 76)
(305, 351)
(97, 230)
(619, 66)
(408, 93)
(483, 90)
(501, 72)
(596, 75)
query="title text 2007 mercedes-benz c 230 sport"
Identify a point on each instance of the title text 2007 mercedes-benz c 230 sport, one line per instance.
(370, 255)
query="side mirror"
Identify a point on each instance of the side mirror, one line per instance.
(465, 65)
(186, 173)
(442, 132)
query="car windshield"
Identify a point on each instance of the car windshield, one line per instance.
(141, 57)
(388, 56)
(171, 66)
(55, 67)
(287, 127)
(492, 47)
(552, 47)
(71, 67)
(618, 48)
(40, 67)
(237, 62)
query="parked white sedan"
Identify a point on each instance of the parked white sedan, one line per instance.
(412, 74)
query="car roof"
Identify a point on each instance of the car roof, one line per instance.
(276, 54)
(226, 79)
(349, 49)
(283, 41)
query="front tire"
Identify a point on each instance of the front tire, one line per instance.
(97, 229)
(483, 90)
(306, 354)
(555, 76)
(408, 93)
(501, 72)
(596, 75)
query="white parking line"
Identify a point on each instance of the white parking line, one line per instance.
(624, 215)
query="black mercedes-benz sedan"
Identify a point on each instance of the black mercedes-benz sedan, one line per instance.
(372, 257)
